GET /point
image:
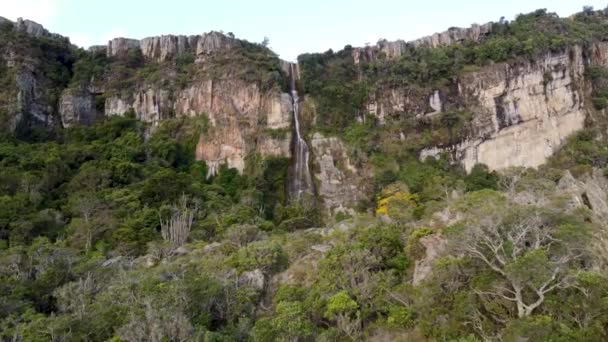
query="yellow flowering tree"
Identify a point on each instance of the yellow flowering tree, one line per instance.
(396, 202)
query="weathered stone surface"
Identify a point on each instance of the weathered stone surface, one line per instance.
(434, 246)
(112, 261)
(31, 100)
(454, 35)
(394, 49)
(115, 105)
(591, 192)
(234, 109)
(181, 251)
(523, 112)
(213, 42)
(239, 114)
(121, 46)
(167, 47)
(253, 278)
(30, 27)
(340, 184)
(77, 107)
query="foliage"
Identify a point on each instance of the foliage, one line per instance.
(83, 212)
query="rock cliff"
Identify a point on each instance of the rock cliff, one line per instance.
(394, 49)
(341, 185)
(31, 59)
(78, 106)
(242, 117)
(167, 47)
(523, 111)
(27, 26)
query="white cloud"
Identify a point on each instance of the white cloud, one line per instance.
(41, 11)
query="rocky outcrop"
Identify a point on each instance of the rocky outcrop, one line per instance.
(434, 245)
(240, 115)
(121, 46)
(590, 191)
(32, 104)
(167, 47)
(29, 27)
(30, 99)
(77, 106)
(523, 112)
(454, 35)
(394, 49)
(340, 185)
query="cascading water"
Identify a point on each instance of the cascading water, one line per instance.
(300, 182)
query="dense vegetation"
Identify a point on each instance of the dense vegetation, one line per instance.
(115, 232)
(84, 255)
(340, 87)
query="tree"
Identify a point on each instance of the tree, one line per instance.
(96, 218)
(344, 310)
(527, 249)
(177, 228)
(289, 324)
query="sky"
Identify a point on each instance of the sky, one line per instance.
(292, 27)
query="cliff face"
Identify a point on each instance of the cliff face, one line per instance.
(394, 49)
(242, 117)
(194, 76)
(167, 47)
(523, 112)
(31, 62)
(340, 184)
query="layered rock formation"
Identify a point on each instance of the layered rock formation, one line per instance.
(77, 106)
(394, 49)
(340, 184)
(31, 99)
(167, 47)
(240, 115)
(523, 112)
(454, 35)
(29, 27)
(588, 192)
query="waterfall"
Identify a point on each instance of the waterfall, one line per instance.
(300, 181)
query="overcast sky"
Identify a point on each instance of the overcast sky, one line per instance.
(293, 27)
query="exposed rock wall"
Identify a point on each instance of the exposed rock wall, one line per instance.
(591, 192)
(239, 113)
(29, 27)
(167, 47)
(523, 112)
(77, 107)
(340, 184)
(30, 101)
(394, 49)
(454, 36)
